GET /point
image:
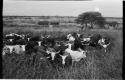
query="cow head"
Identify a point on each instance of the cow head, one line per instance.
(84, 53)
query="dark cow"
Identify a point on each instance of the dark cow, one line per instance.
(94, 40)
(30, 47)
(62, 59)
(104, 42)
(48, 41)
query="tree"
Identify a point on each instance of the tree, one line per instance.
(91, 18)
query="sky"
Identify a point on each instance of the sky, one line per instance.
(108, 8)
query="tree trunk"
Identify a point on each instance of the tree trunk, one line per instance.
(85, 26)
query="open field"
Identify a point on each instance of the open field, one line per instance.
(97, 65)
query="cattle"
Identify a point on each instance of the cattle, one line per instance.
(104, 42)
(12, 39)
(70, 38)
(29, 48)
(94, 41)
(62, 60)
(58, 57)
(11, 47)
(17, 37)
(6, 50)
(48, 41)
(18, 49)
(14, 49)
(77, 44)
(76, 55)
(65, 56)
(11, 34)
(35, 38)
(51, 52)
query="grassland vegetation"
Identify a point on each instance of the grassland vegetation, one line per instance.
(97, 64)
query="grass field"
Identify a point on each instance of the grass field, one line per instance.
(97, 65)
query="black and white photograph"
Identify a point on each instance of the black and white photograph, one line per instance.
(62, 39)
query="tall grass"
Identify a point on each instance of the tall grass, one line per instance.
(97, 65)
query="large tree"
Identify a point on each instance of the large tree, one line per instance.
(91, 18)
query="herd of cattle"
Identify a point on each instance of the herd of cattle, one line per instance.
(66, 49)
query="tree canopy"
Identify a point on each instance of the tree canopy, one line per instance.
(91, 18)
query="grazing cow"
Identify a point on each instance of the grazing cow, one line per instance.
(6, 50)
(64, 57)
(12, 34)
(30, 47)
(14, 48)
(35, 38)
(18, 49)
(76, 55)
(11, 39)
(52, 52)
(104, 42)
(94, 40)
(48, 41)
(11, 47)
(17, 37)
(77, 44)
(62, 60)
(95, 37)
(70, 38)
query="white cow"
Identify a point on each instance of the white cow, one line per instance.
(52, 52)
(6, 50)
(70, 37)
(102, 43)
(12, 34)
(63, 58)
(16, 48)
(76, 55)
(11, 47)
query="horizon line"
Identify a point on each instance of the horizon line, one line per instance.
(56, 15)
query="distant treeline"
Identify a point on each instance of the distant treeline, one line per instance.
(69, 19)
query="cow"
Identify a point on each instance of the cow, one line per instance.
(29, 48)
(52, 52)
(70, 38)
(94, 41)
(104, 42)
(62, 59)
(65, 56)
(11, 34)
(11, 47)
(76, 55)
(14, 48)
(6, 50)
(48, 41)
(18, 49)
